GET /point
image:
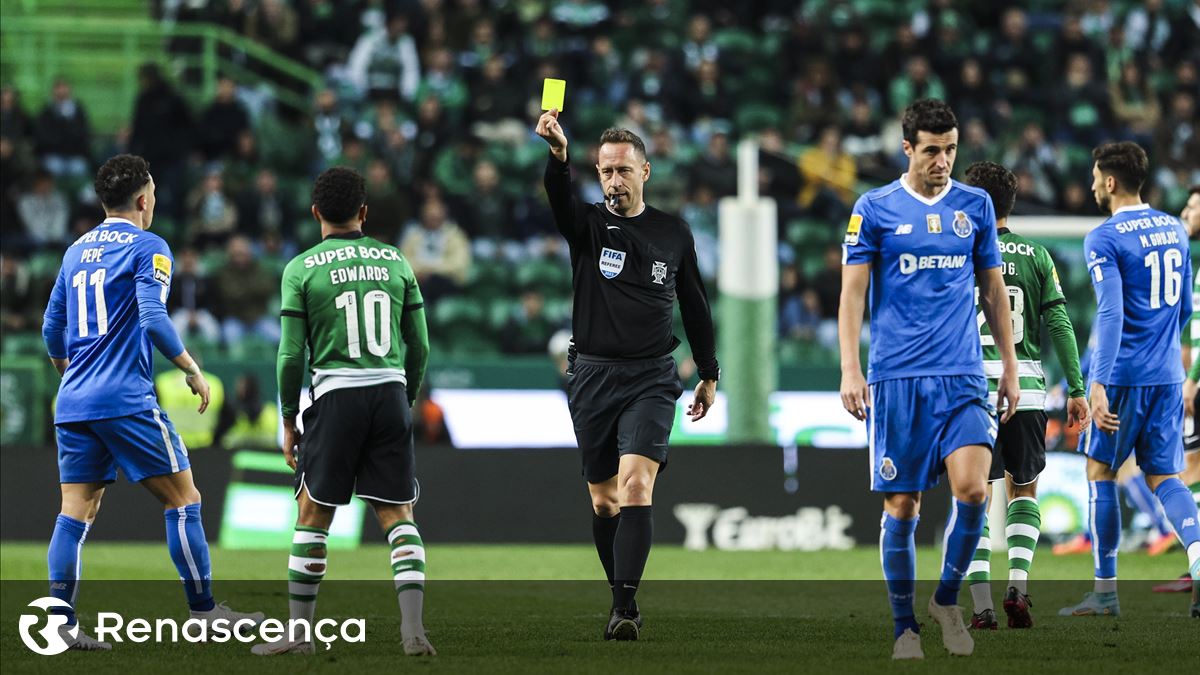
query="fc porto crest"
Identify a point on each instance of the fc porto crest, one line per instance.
(887, 469)
(659, 273)
(963, 226)
(611, 262)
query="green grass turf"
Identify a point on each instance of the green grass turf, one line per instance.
(27, 560)
(540, 621)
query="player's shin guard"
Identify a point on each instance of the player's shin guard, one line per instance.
(65, 562)
(408, 572)
(1022, 531)
(898, 554)
(631, 548)
(962, 537)
(1104, 523)
(1181, 510)
(306, 568)
(979, 574)
(189, 552)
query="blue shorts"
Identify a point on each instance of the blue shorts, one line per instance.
(1151, 426)
(142, 445)
(915, 423)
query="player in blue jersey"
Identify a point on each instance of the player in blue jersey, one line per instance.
(921, 244)
(1141, 271)
(106, 313)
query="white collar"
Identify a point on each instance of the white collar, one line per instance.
(111, 220)
(922, 198)
(1132, 207)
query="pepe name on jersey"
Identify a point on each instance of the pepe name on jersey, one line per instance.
(354, 273)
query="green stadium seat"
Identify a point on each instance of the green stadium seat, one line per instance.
(753, 117)
(453, 314)
(490, 279)
(546, 275)
(499, 312)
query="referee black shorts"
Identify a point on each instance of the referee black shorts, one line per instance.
(621, 407)
(358, 441)
(1020, 449)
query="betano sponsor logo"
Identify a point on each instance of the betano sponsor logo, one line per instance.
(910, 263)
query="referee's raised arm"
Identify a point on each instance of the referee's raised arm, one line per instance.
(558, 176)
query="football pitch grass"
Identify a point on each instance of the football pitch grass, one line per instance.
(535, 608)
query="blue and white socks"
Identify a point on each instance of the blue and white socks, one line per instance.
(1181, 511)
(898, 553)
(189, 552)
(1104, 523)
(65, 562)
(962, 537)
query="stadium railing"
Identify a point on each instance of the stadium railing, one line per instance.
(100, 56)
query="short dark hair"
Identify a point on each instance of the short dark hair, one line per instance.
(928, 114)
(998, 182)
(338, 194)
(617, 135)
(1126, 162)
(119, 179)
(1194, 190)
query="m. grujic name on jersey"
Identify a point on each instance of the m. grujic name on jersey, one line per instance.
(910, 263)
(1158, 239)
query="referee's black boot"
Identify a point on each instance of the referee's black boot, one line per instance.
(623, 625)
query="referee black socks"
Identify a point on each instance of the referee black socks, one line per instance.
(631, 548)
(604, 532)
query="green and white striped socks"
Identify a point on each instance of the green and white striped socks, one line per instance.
(408, 573)
(1024, 524)
(980, 572)
(306, 568)
(1022, 530)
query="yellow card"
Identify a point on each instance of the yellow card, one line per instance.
(553, 93)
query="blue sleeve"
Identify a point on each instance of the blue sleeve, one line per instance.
(861, 244)
(986, 252)
(153, 281)
(1188, 306)
(54, 322)
(1110, 304)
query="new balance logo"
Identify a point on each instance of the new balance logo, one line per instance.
(1189, 522)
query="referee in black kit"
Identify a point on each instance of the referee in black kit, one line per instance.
(629, 262)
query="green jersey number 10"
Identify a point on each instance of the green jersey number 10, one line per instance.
(377, 316)
(1016, 300)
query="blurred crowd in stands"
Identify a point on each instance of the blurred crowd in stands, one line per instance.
(433, 101)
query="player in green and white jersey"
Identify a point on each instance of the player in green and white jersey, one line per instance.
(1191, 471)
(1019, 454)
(354, 303)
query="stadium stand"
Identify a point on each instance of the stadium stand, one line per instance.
(433, 101)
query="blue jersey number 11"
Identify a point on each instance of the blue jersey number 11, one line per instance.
(80, 282)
